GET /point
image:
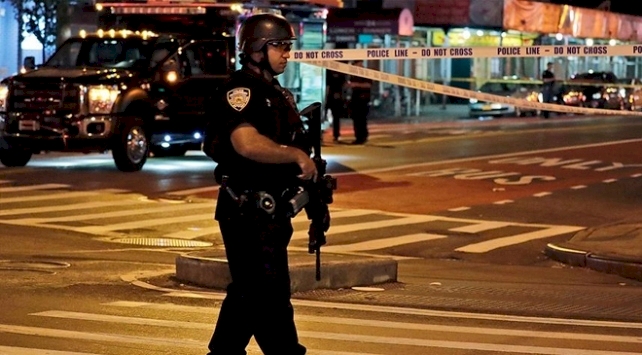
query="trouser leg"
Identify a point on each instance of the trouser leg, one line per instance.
(258, 299)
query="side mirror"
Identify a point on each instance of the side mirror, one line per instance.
(29, 63)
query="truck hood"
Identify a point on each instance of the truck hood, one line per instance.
(75, 75)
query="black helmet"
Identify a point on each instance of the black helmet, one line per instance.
(257, 30)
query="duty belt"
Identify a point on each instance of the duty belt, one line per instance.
(288, 202)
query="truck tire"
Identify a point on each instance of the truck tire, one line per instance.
(14, 157)
(131, 146)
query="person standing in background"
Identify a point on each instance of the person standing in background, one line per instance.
(334, 101)
(360, 105)
(548, 79)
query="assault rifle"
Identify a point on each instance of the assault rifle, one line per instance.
(319, 191)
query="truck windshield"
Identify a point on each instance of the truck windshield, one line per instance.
(102, 53)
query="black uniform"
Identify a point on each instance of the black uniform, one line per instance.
(258, 299)
(359, 109)
(547, 89)
(334, 101)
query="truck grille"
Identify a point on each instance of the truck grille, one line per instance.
(57, 97)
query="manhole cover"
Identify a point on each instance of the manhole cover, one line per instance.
(163, 242)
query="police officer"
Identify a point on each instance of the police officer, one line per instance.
(254, 141)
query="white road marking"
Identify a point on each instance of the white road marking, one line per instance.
(32, 188)
(486, 246)
(503, 202)
(145, 223)
(578, 187)
(389, 310)
(214, 230)
(412, 219)
(60, 195)
(194, 191)
(608, 181)
(61, 208)
(542, 194)
(459, 209)
(382, 243)
(486, 157)
(351, 337)
(10, 350)
(114, 214)
(480, 227)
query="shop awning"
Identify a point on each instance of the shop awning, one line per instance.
(347, 25)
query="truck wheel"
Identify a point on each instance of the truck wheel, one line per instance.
(131, 146)
(14, 157)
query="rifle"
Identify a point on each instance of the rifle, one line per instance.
(320, 191)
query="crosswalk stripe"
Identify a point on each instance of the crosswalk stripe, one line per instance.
(345, 321)
(62, 208)
(486, 246)
(393, 310)
(10, 350)
(302, 234)
(480, 227)
(350, 337)
(145, 223)
(121, 213)
(131, 339)
(301, 217)
(193, 191)
(383, 243)
(32, 187)
(76, 335)
(60, 195)
(462, 345)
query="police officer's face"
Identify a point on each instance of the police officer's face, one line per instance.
(278, 53)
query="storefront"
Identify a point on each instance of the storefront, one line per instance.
(451, 23)
(387, 28)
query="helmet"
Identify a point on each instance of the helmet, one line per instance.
(257, 30)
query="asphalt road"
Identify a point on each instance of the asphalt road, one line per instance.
(466, 207)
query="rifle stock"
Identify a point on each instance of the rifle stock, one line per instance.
(320, 191)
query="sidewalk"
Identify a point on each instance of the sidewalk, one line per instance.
(615, 249)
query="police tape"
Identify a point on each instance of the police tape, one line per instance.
(463, 93)
(466, 52)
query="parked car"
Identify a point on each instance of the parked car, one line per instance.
(594, 90)
(632, 90)
(518, 89)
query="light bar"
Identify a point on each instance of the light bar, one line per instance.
(158, 10)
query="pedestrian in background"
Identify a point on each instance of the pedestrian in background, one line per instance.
(548, 84)
(359, 105)
(253, 139)
(334, 100)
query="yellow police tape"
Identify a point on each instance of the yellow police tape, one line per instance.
(458, 92)
(601, 50)
(329, 59)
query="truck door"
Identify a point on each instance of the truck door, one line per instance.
(204, 67)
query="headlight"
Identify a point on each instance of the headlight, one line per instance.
(597, 96)
(101, 98)
(4, 92)
(472, 101)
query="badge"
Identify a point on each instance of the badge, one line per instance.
(238, 98)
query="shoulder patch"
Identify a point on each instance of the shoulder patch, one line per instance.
(238, 98)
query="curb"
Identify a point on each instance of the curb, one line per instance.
(335, 274)
(628, 268)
